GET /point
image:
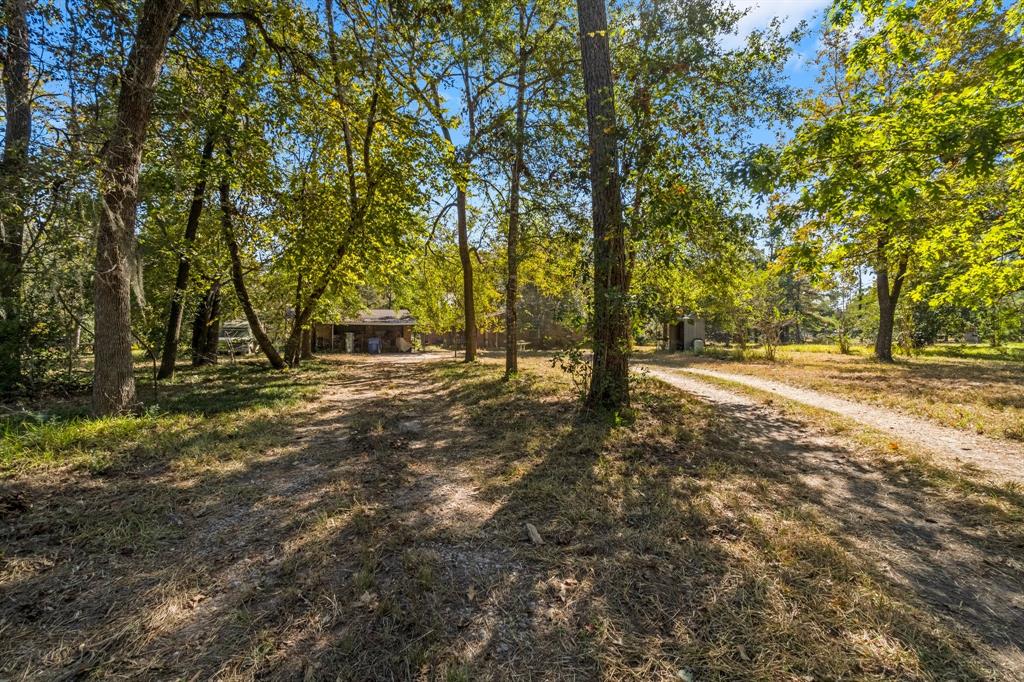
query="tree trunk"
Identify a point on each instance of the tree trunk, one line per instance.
(609, 387)
(238, 279)
(293, 345)
(888, 298)
(798, 314)
(303, 315)
(307, 343)
(213, 329)
(512, 280)
(469, 308)
(74, 341)
(113, 378)
(206, 328)
(16, 61)
(170, 354)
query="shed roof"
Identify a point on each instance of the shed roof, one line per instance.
(382, 317)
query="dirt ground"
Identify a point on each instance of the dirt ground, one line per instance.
(1004, 460)
(382, 536)
(955, 570)
(983, 396)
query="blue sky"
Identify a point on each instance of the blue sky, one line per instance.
(801, 70)
(761, 12)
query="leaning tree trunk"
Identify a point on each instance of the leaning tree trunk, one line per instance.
(238, 279)
(170, 354)
(16, 61)
(468, 305)
(512, 281)
(609, 387)
(113, 378)
(305, 309)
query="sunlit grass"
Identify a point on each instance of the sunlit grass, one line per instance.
(974, 388)
(201, 411)
(978, 351)
(386, 526)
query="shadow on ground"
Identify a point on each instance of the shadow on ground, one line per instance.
(380, 534)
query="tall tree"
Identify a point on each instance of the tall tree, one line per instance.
(689, 103)
(893, 159)
(539, 57)
(366, 160)
(113, 378)
(453, 71)
(512, 244)
(170, 351)
(609, 387)
(14, 185)
(238, 275)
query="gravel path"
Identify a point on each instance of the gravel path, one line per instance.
(1004, 460)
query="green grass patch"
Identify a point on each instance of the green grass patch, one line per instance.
(204, 410)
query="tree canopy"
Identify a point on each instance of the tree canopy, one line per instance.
(168, 166)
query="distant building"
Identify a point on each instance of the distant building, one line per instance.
(536, 332)
(492, 336)
(377, 330)
(680, 332)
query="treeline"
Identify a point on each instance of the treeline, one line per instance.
(190, 161)
(169, 164)
(773, 306)
(907, 164)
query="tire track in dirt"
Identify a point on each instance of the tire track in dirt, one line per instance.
(917, 541)
(1002, 460)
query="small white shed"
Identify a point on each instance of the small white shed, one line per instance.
(679, 334)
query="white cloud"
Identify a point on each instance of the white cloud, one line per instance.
(761, 12)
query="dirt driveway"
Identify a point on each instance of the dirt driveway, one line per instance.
(1003, 459)
(923, 545)
(384, 538)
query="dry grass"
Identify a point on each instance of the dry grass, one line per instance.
(985, 396)
(380, 535)
(1001, 503)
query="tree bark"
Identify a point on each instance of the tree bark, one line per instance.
(468, 306)
(16, 60)
(170, 353)
(307, 343)
(299, 345)
(238, 279)
(305, 313)
(888, 298)
(113, 378)
(206, 328)
(293, 345)
(213, 328)
(609, 387)
(512, 279)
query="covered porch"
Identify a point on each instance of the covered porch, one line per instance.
(372, 331)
